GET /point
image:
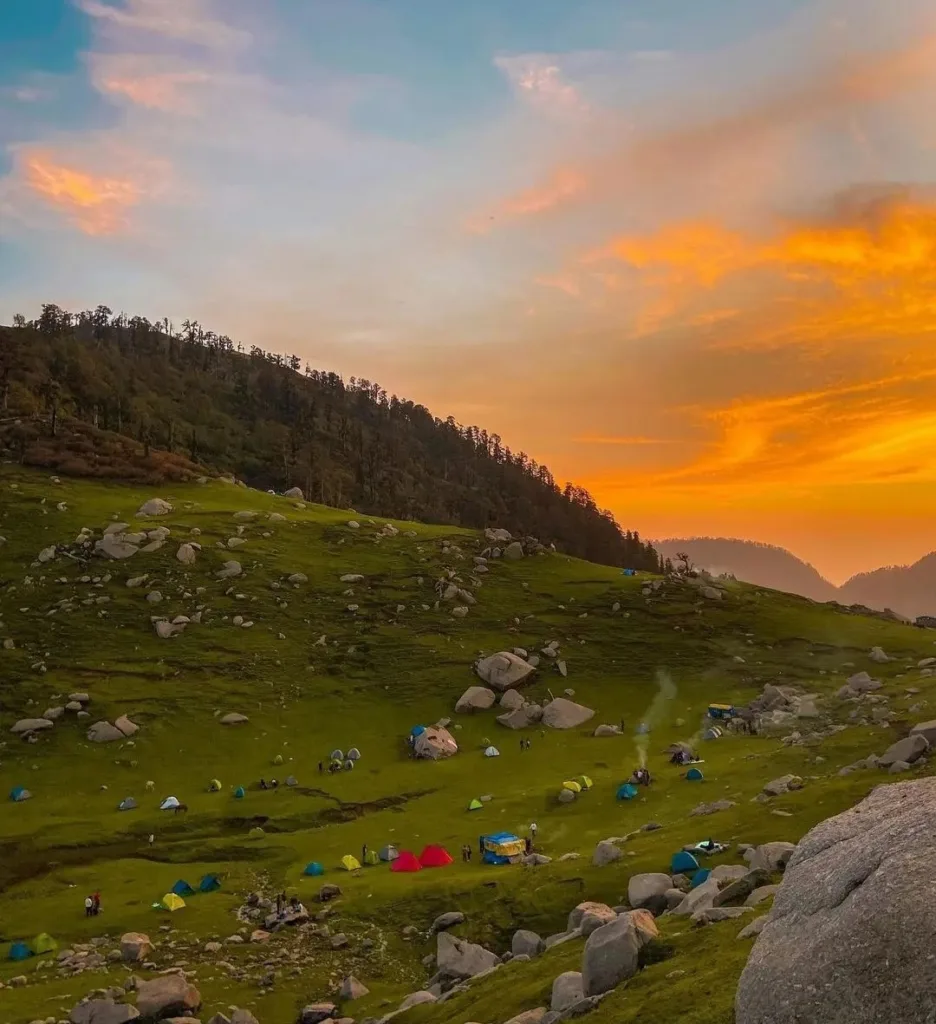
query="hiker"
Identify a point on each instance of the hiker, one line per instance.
(88, 906)
(533, 832)
(465, 852)
(320, 767)
(263, 784)
(622, 725)
(529, 744)
(364, 853)
(96, 902)
(481, 845)
(273, 784)
(468, 852)
(152, 839)
(528, 846)
(279, 905)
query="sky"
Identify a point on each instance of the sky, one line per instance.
(682, 252)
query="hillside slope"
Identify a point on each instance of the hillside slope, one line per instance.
(315, 663)
(908, 589)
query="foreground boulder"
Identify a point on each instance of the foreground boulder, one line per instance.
(643, 889)
(909, 749)
(475, 698)
(168, 996)
(103, 1011)
(503, 671)
(460, 960)
(135, 947)
(854, 923)
(610, 956)
(562, 713)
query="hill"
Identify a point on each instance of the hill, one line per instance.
(332, 636)
(99, 394)
(762, 564)
(908, 589)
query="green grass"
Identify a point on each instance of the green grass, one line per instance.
(379, 672)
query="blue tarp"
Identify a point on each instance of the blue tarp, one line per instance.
(20, 951)
(630, 572)
(694, 775)
(417, 730)
(683, 863)
(627, 792)
(700, 876)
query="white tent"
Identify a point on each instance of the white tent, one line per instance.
(169, 804)
(492, 752)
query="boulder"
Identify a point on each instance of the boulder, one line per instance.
(126, 727)
(769, 857)
(229, 570)
(608, 730)
(514, 551)
(475, 698)
(646, 925)
(786, 783)
(562, 713)
(910, 749)
(294, 492)
(504, 671)
(54, 714)
(529, 1016)
(741, 888)
(610, 956)
(878, 656)
(415, 999)
(351, 988)
(168, 996)
(459, 960)
(113, 546)
(526, 943)
(754, 929)
(435, 743)
(233, 718)
(927, 730)
(854, 922)
(728, 872)
(104, 732)
(315, 1013)
(135, 947)
(187, 554)
(566, 796)
(155, 507)
(764, 892)
(594, 918)
(642, 888)
(242, 1017)
(567, 990)
(702, 897)
(28, 725)
(576, 916)
(297, 577)
(511, 700)
(496, 536)
(606, 853)
(714, 807)
(103, 1011)
(445, 921)
(713, 915)
(861, 682)
(521, 717)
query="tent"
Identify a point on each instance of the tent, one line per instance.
(44, 943)
(643, 729)
(348, 766)
(406, 861)
(19, 951)
(492, 752)
(182, 888)
(256, 833)
(720, 711)
(571, 784)
(713, 733)
(169, 804)
(700, 876)
(627, 792)
(127, 804)
(371, 858)
(239, 793)
(19, 793)
(694, 775)
(278, 759)
(314, 869)
(388, 853)
(350, 863)
(209, 883)
(172, 902)
(417, 730)
(502, 848)
(475, 805)
(354, 754)
(629, 572)
(336, 755)
(291, 780)
(683, 863)
(214, 786)
(584, 781)
(435, 857)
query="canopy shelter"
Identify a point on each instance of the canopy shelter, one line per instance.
(406, 861)
(169, 804)
(44, 943)
(19, 951)
(502, 848)
(712, 733)
(683, 863)
(239, 793)
(172, 902)
(313, 869)
(492, 752)
(127, 804)
(475, 805)
(182, 888)
(435, 856)
(354, 754)
(214, 786)
(388, 853)
(694, 775)
(371, 858)
(209, 883)
(627, 792)
(350, 863)
(19, 793)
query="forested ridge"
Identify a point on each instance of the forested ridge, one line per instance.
(199, 398)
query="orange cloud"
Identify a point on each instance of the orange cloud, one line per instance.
(167, 92)
(564, 183)
(96, 204)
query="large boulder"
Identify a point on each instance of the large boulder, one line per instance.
(510, 700)
(769, 857)
(578, 914)
(103, 1011)
(294, 492)
(567, 990)
(28, 725)
(786, 783)
(435, 743)
(526, 943)
(351, 988)
(641, 889)
(606, 853)
(854, 923)
(445, 921)
(168, 996)
(475, 698)
(562, 713)
(504, 671)
(135, 947)
(702, 897)
(927, 730)
(521, 717)
(610, 956)
(459, 960)
(104, 732)
(187, 554)
(595, 917)
(155, 507)
(911, 748)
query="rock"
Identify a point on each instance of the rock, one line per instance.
(786, 783)
(46, 555)
(861, 682)
(104, 732)
(854, 921)
(155, 507)
(187, 554)
(415, 999)
(514, 551)
(297, 577)
(165, 629)
(351, 988)
(562, 713)
(878, 656)
(529, 1016)
(910, 749)
(460, 960)
(242, 1017)
(607, 730)
(339, 941)
(315, 1013)
(770, 857)
(521, 717)
(167, 996)
(103, 1011)
(475, 698)
(135, 947)
(606, 853)
(567, 990)
(899, 766)
(351, 577)
(233, 718)
(715, 914)
(229, 570)
(445, 921)
(712, 808)
(54, 714)
(702, 897)
(435, 743)
(28, 725)
(294, 492)
(593, 918)
(496, 536)
(526, 943)
(763, 892)
(610, 956)
(642, 888)
(114, 546)
(126, 727)
(511, 700)
(741, 888)
(566, 796)
(534, 860)
(927, 730)
(754, 928)
(504, 671)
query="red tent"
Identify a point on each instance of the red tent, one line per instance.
(406, 862)
(435, 857)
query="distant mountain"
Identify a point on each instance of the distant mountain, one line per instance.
(908, 589)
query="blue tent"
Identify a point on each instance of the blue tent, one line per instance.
(19, 793)
(20, 951)
(694, 775)
(630, 572)
(700, 876)
(417, 730)
(683, 863)
(314, 869)
(209, 883)
(239, 793)
(643, 729)
(182, 888)
(627, 792)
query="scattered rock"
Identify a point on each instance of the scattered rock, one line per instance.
(104, 732)
(29, 725)
(606, 853)
(155, 507)
(233, 718)
(351, 988)
(910, 749)
(168, 996)
(475, 698)
(526, 943)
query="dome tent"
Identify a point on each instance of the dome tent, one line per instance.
(291, 781)
(694, 775)
(571, 784)
(354, 754)
(700, 876)
(627, 792)
(371, 858)
(172, 902)
(683, 863)
(256, 833)
(214, 786)
(388, 853)
(239, 793)
(584, 781)
(169, 804)
(350, 863)
(19, 793)
(434, 856)
(406, 861)
(209, 883)
(19, 951)
(336, 755)
(44, 943)
(182, 888)
(492, 752)
(475, 805)
(127, 804)
(313, 869)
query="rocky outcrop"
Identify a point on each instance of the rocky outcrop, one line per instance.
(562, 713)
(475, 698)
(168, 996)
(459, 960)
(854, 922)
(504, 671)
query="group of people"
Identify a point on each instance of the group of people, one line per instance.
(641, 777)
(272, 784)
(525, 743)
(292, 905)
(682, 756)
(336, 766)
(92, 905)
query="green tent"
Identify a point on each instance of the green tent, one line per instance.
(475, 805)
(256, 833)
(371, 857)
(44, 943)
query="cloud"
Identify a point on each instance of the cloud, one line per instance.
(538, 79)
(148, 82)
(563, 183)
(180, 21)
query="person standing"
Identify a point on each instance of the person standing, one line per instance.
(88, 906)
(364, 853)
(533, 832)
(96, 901)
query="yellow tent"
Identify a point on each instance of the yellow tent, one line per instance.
(573, 785)
(350, 863)
(172, 902)
(214, 786)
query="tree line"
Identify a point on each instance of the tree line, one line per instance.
(278, 424)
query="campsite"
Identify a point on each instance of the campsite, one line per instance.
(309, 679)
